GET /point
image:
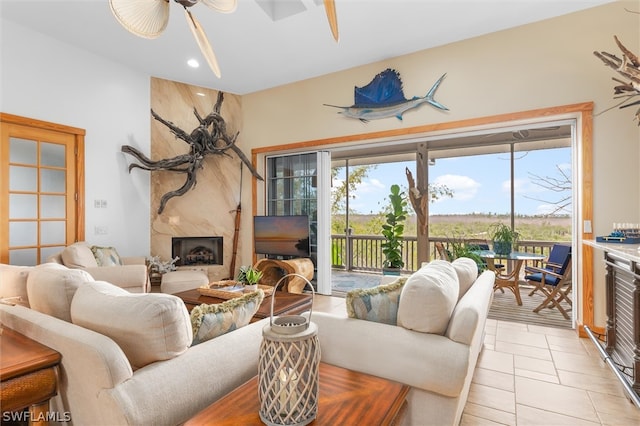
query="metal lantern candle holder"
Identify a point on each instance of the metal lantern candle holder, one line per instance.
(288, 369)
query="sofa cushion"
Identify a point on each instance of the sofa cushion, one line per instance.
(13, 283)
(210, 321)
(78, 255)
(428, 298)
(51, 288)
(106, 256)
(148, 327)
(467, 271)
(378, 304)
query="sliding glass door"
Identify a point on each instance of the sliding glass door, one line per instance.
(298, 184)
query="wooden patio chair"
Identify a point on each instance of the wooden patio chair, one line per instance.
(553, 280)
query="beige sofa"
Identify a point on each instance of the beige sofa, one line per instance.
(145, 372)
(132, 274)
(434, 350)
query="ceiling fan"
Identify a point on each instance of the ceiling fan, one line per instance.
(149, 18)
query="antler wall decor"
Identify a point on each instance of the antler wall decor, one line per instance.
(628, 67)
(210, 137)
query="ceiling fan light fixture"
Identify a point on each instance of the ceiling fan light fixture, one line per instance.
(223, 6)
(203, 42)
(144, 18)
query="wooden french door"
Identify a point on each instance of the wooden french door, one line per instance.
(41, 189)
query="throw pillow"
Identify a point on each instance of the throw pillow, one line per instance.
(148, 327)
(467, 271)
(378, 304)
(428, 298)
(13, 283)
(78, 255)
(106, 256)
(51, 288)
(210, 321)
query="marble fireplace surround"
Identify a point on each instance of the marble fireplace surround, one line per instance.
(210, 207)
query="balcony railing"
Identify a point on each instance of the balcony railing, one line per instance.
(364, 252)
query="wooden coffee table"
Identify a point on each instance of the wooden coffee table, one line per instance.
(346, 398)
(285, 303)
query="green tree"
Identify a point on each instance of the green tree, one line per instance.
(342, 187)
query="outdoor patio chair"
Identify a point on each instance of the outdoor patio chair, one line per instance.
(553, 280)
(484, 245)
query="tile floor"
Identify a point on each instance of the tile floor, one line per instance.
(532, 375)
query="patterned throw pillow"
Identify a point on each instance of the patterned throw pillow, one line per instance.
(378, 304)
(209, 321)
(106, 256)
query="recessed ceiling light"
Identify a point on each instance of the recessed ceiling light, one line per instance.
(199, 93)
(193, 63)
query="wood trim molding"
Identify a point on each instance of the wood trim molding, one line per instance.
(46, 125)
(427, 128)
(79, 148)
(584, 113)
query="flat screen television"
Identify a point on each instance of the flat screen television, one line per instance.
(281, 235)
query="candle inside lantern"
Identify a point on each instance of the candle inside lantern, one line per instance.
(288, 389)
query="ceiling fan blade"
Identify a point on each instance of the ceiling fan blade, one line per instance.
(330, 8)
(144, 18)
(203, 42)
(224, 6)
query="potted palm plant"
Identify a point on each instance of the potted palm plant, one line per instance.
(504, 238)
(392, 231)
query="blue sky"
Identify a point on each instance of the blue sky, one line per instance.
(480, 183)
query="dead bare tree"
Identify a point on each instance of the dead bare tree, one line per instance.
(560, 184)
(210, 137)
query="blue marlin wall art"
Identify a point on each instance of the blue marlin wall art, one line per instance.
(383, 97)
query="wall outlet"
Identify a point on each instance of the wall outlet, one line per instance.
(101, 230)
(100, 204)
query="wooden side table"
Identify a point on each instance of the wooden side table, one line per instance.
(28, 375)
(346, 398)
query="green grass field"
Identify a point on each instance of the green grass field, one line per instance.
(531, 228)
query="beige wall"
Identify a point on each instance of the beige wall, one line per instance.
(540, 65)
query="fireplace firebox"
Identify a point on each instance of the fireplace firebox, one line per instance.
(197, 250)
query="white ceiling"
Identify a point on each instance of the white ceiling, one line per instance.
(255, 52)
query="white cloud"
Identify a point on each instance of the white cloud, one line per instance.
(463, 187)
(370, 186)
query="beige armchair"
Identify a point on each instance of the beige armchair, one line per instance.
(132, 275)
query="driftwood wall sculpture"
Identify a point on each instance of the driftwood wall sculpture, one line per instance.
(628, 67)
(210, 137)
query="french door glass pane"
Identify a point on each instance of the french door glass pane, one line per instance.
(52, 155)
(22, 151)
(23, 206)
(23, 178)
(52, 232)
(52, 206)
(46, 252)
(24, 257)
(52, 180)
(23, 234)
